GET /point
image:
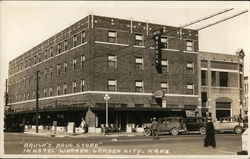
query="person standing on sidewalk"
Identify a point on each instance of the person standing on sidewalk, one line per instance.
(82, 125)
(210, 137)
(154, 129)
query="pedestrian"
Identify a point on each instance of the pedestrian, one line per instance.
(154, 129)
(83, 125)
(210, 137)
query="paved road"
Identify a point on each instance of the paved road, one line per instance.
(18, 143)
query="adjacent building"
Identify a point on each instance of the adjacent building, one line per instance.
(101, 55)
(245, 105)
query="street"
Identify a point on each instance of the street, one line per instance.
(190, 144)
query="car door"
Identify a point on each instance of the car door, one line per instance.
(161, 125)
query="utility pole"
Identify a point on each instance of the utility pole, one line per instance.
(37, 96)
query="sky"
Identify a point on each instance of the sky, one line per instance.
(24, 25)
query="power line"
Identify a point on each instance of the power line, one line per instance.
(222, 20)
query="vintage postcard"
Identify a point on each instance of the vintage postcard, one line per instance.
(124, 79)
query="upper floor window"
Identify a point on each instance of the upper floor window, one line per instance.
(82, 84)
(138, 86)
(50, 91)
(65, 45)
(35, 61)
(45, 54)
(45, 92)
(112, 85)
(51, 52)
(74, 87)
(112, 61)
(190, 67)
(139, 63)
(223, 79)
(59, 48)
(45, 73)
(164, 63)
(74, 63)
(190, 89)
(65, 88)
(139, 39)
(51, 71)
(164, 41)
(39, 57)
(112, 36)
(83, 36)
(58, 69)
(189, 45)
(74, 40)
(65, 66)
(203, 77)
(58, 88)
(164, 87)
(82, 60)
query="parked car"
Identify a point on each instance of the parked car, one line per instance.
(230, 124)
(166, 125)
(196, 124)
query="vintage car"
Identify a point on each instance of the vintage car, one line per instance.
(230, 124)
(166, 125)
(196, 124)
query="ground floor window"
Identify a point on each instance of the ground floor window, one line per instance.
(223, 109)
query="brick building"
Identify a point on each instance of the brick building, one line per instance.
(221, 84)
(100, 55)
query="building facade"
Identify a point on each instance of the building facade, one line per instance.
(245, 106)
(100, 55)
(221, 84)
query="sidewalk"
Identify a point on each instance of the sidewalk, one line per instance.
(48, 133)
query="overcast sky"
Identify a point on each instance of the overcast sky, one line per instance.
(26, 24)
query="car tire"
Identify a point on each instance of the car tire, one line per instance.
(174, 131)
(238, 129)
(147, 132)
(202, 130)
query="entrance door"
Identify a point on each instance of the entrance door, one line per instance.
(123, 121)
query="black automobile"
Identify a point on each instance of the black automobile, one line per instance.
(196, 124)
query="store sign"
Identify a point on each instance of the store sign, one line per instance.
(190, 113)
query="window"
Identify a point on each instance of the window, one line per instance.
(138, 86)
(112, 85)
(51, 71)
(29, 62)
(164, 41)
(34, 94)
(28, 95)
(58, 88)
(74, 87)
(50, 91)
(139, 39)
(190, 89)
(189, 45)
(164, 63)
(45, 92)
(82, 60)
(45, 73)
(203, 99)
(59, 48)
(112, 61)
(65, 66)
(74, 63)
(190, 67)
(45, 54)
(39, 57)
(65, 88)
(74, 40)
(51, 52)
(112, 36)
(82, 84)
(164, 87)
(203, 77)
(213, 76)
(65, 45)
(82, 36)
(223, 79)
(139, 63)
(58, 68)
(35, 61)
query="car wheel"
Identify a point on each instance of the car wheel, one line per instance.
(147, 132)
(174, 131)
(202, 130)
(238, 129)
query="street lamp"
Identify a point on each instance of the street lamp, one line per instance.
(106, 98)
